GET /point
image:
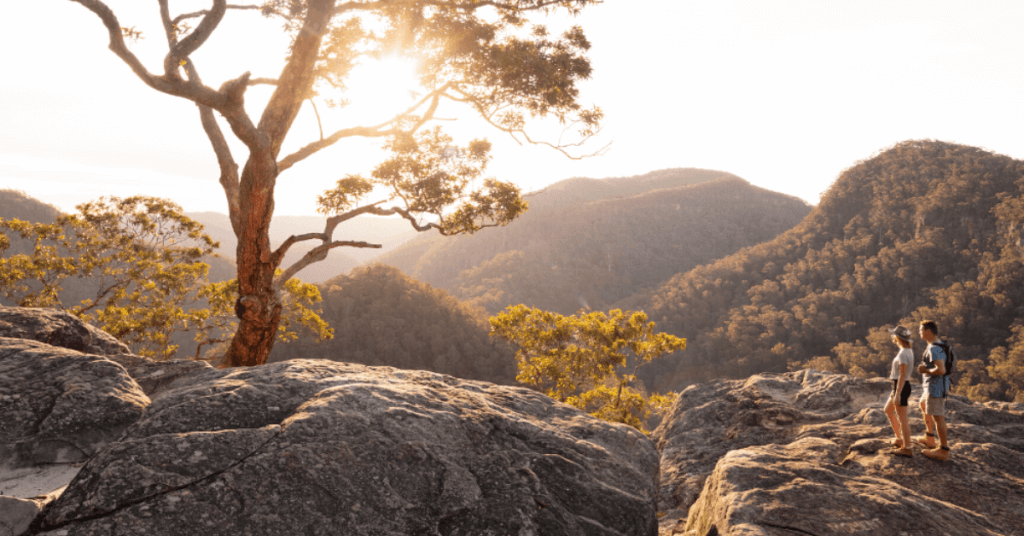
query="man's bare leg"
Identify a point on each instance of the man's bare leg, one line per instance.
(929, 424)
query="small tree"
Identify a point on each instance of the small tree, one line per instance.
(481, 54)
(580, 359)
(141, 263)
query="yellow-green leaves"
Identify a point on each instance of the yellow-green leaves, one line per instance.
(298, 299)
(219, 322)
(427, 174)
(345, 194)
(142, 261)
(581, 359)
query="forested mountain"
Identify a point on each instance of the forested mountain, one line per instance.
(587, 243)
(388, 232)
(381, 316)
(924, 229)
(15, 205)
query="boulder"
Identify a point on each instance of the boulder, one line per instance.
(156, 377)
(709, 420)
(64, 330)
(316, 447)
(799, 488)
(17, 515)
(57, 328)
(59, 405)
(807, 453)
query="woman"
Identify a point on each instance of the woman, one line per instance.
(896, 407)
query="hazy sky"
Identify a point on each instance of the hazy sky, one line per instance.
(785, 94)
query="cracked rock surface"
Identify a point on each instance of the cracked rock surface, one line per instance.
(59, 405)
(57, 328)
(709, 420)
(317, 447)
(807, 453)
(800, 489)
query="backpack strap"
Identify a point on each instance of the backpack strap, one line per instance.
(948, 365)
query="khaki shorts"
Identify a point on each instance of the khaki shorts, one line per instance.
(933, 406)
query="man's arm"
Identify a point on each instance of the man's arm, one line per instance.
(938, 361)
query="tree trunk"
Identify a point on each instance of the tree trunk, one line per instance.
(259, 304)
(259, 317)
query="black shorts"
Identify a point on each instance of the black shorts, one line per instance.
(904, 397)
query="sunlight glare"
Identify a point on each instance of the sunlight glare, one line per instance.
(381, 88)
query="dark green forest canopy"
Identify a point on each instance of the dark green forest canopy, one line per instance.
(383, 317)
(922, 229)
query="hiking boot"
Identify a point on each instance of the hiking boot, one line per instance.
(927, 440)
(902, 452)
(941, 454)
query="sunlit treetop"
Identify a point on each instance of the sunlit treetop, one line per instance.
(485, 55)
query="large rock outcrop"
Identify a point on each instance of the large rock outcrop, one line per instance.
(57, 328)
(307, 447)
(59, 405)
(313, 447)
(807, 453)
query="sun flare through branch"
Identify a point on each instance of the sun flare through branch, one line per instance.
(381, 88)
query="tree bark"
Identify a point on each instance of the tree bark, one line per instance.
(259, 304)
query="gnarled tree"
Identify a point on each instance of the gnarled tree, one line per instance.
(481, 53)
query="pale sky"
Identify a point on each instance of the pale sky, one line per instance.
(786, 94)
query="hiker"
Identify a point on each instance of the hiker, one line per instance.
(933, 399)
(897, 406)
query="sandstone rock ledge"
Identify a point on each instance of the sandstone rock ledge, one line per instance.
(806, 453)
(315, 447)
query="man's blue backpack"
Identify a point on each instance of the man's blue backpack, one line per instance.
(950, 362)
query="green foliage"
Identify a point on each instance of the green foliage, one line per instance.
(145, 261)
(382, 317)
(218, 320)
(580, 359)
(428, 175)
(1006, 365)
(485, 58)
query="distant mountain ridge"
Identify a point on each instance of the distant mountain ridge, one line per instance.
(924, 229)
(16, 204)
(588, 243)
(581, 189)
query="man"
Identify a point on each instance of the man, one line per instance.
(933, 399)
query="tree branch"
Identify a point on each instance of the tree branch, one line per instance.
(412, 219)
(228, 99)
(195, 39)
(468, 5)
(316, 254)
(318, 123)
(560, 147)
(227, 164)
(315, 147)
(297, 77)
(119, 48)
(369, 132)
(165, 19)
(201, 13)
(326, 236)
(267, 81)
